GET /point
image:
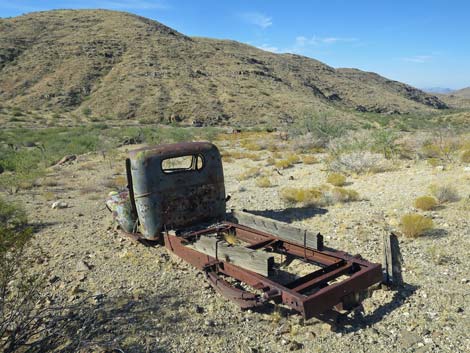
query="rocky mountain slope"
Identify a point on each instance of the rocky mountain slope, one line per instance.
(118, 65)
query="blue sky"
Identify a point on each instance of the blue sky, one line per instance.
(423, 43)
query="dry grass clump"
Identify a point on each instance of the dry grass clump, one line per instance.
(293, 158)
(283, 164)
(465, 156)
(318, 196)
(425, 203)
(336, 179)
(308, 197)
(251, 146)
(263, 182)
(444, 193)
(241, 155)
(414, 225)
(309, 159)
(249, 173)
(344, 195)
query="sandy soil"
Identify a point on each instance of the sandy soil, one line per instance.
(154, 302)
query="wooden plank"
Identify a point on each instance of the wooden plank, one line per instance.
(392, 260)
(281, 230)
(253, 260)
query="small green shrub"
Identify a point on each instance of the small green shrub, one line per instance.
(414, 225)
(86, 111)
(425, 203)
(336, 179)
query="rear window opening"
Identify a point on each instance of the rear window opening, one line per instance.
(182, 163)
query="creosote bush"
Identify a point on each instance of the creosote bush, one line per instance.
(336, 179)
(425, 203)
(413, 225)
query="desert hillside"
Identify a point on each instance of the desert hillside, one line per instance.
(122, 66)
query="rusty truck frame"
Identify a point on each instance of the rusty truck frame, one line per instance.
(183, 206)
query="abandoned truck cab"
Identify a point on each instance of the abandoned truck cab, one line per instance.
(176, 186)
(176, 195)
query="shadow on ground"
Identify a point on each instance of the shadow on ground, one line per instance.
(357, 320)
(290, 214)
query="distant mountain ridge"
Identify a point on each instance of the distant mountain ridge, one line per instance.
(115, 64)
(441, 90)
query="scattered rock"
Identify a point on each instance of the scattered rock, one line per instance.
(59, 204)
(409, 339)
(209, 323)
(54, 279)
(295, 346)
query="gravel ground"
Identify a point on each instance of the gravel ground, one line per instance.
(144, 299)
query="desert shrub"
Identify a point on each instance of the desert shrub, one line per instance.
(336, 179)
(308, 197)
(359, 163)
(318, 196)
(293, 158)
(309, 159)
(443, 144)
(86, 111)
(308, 142)
(345, 195)
(444, 193)
(425, 203)
(252, 146)
(465, 156)
(434, 162)
(18, 290)
(283, 164)
(414, 225)
(384, 141)
(263, 182)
